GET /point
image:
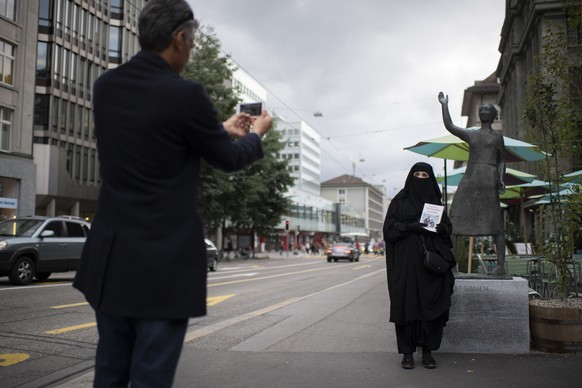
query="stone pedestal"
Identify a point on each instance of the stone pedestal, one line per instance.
(488, 316)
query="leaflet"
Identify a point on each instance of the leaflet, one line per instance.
(431, 216)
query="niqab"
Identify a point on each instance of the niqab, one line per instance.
(418, 191)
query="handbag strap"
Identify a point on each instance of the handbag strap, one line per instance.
(423, 244)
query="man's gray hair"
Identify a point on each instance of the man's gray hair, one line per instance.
(161, 19)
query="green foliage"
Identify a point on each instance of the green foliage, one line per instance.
(553, 113)
(208, 67)
(253, 198)
(266, 183)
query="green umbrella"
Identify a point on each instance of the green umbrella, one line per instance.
(453, 148)
(510, 178)
(574, 177)
(522, 191)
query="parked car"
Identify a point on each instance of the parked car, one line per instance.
(342, 251)
(35, 246)
(214, 256)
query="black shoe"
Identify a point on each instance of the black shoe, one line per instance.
(408, 361)
(427, 361)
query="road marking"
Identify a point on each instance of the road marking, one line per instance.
(66, 306)
(72, 328)
(275, 276)
(234, 276)
(40, 286)
(362, 266)
(214, 300)
(192, 335)
(13, 358)
(210, 329)
(210, 301)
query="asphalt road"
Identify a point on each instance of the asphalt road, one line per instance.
(48, 333)
(282, 322)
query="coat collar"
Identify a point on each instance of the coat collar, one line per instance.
(154, 59)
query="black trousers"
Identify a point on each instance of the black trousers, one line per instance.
(144, 352)
(426, 334)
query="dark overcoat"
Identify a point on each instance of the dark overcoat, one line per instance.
(145, 256)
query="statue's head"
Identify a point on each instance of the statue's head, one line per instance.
(487, 113)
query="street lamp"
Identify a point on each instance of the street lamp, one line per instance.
(354, 166)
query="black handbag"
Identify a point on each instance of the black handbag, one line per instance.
(433, 262)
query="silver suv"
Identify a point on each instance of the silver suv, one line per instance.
(36, 246)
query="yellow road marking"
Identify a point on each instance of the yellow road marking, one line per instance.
(363, 266)
(13, 358)
(65, 306)
(210, 301)
(214, 300)
(72, 328)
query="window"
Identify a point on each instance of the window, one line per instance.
(117, 9)
(6, 62)
(5, 128)
(45, 16)
(75, 230)
(41, 112)
(63, 117)
(115, 44)
(8, 9)
(43, 61)
(57, 227)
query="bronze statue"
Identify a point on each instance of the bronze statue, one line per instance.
(475, 210)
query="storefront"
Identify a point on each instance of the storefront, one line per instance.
(8, 198)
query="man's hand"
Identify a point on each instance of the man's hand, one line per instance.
(238, 125)
(262, 123)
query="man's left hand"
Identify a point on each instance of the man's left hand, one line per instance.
(238, 125)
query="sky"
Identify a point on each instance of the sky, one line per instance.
(372, 68)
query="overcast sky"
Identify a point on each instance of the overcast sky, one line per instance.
(373, 68)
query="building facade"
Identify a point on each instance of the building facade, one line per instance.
(526, 22)
(359, 200)
(77, 40)
(303, 151)
(18, 28)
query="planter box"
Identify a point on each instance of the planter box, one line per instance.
(556, 329)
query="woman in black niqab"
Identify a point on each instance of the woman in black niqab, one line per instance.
(419, 299)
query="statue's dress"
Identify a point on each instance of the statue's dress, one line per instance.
(475, 210)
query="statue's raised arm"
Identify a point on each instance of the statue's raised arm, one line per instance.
(452, 128)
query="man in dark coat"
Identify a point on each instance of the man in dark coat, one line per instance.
(419, 299)
(144, 265)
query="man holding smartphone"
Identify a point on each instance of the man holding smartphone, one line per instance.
(144, 267)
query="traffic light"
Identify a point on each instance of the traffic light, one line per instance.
(286, 224)
(299, 228)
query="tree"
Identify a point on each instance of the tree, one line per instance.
(553, 113)
(254, 197)
(264, 185)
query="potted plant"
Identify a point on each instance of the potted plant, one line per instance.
(553, 113)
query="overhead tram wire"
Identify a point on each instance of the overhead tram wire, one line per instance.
(199, 31)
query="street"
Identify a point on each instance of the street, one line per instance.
(294, 321)
(48, 332)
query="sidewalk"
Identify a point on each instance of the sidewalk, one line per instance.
(341, 338)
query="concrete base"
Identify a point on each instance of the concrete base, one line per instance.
(488, 316)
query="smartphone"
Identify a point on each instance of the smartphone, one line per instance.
(252, 108)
